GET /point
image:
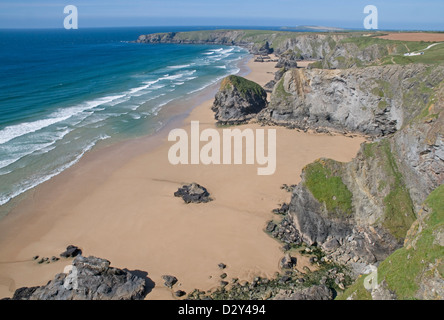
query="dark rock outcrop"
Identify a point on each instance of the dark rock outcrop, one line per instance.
(71, 252)
(90, 279)
(170, 281)
(193, 193)
(180, 293)
(238, 100)
(265, 49)
(288, 262)
(283, 209)
(288, 60)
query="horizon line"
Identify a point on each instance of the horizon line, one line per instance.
(290, 28)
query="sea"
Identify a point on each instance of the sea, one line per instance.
(66, 92)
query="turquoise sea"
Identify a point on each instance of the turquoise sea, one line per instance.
(64, 92)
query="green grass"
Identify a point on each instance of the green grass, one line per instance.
(399, 212)
(243, 85)
(280, 90)
(404, 267)
(435, 201)
(369, 150)
(382, 104)
(357, 291)
(328, 188)
(399, 46)
(433, 56)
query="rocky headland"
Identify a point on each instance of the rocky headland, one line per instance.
(238, 101)
(384, 208)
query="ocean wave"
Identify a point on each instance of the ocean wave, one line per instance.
(32, 183)
(14, 131)
(180, 66)
(17, 152)
(177, 76)
(146, 85)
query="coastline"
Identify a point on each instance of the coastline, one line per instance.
(118, 204)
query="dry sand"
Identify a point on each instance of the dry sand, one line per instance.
(119, 205)
(414, 36)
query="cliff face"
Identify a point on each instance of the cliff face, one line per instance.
(375, 100)
(332, 50)
(361, 212)
(419, 146)
(305, 45)
(415, 271)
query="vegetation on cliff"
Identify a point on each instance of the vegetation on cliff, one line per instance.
(242, 85)
(409, 271)
(325, 183)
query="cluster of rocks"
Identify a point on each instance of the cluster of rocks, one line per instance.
(288, 262)
(45, 259)
(170, 281)
(318, 292)
(283, 209)
(285, 231)
(193, 193)
(70, 252)
(292, 285)
(288, 188)
(90, 278)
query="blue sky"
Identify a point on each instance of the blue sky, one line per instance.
(393, 14)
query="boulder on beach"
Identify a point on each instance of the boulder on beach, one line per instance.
(71, 252)
(170, 281)
(193, 193)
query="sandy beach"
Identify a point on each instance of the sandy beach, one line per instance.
(118, 204)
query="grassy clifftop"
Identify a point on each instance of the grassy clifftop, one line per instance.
(242, 85)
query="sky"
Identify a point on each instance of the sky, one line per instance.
(393, 14)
